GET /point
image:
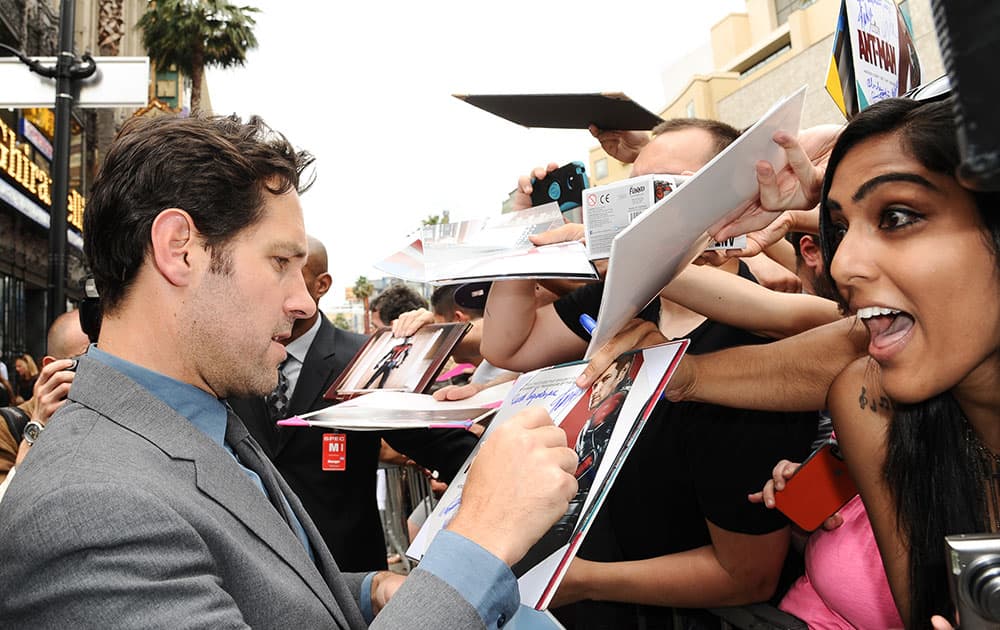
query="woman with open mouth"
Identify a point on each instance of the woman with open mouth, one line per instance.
(915, 256)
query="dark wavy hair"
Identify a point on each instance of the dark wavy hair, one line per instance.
(217, 169)
(934, 483)
(395, 300)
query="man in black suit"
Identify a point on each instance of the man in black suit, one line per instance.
(338, 493)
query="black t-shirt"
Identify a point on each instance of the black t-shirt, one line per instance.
(587, 299)
(692, 462)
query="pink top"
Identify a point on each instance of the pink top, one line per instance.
(845, 584)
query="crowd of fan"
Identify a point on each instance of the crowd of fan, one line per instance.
(888, 326)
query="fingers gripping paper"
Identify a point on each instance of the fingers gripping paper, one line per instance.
(652, 250)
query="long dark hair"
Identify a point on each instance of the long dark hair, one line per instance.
(934, 483)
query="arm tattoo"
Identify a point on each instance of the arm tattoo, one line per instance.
(874, 405)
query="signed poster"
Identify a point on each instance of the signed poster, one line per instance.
(874, 56)
(601, 424)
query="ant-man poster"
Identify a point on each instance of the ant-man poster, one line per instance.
(588, 428)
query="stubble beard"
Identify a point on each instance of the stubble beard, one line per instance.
(228, 361)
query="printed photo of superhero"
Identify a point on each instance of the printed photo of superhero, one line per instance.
(394, 363)
(588, 428)
(389, 362)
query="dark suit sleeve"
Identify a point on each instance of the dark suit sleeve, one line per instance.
(443, 450)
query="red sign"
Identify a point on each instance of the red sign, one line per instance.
(334, 451)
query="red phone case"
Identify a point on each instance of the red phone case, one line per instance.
(819, 488)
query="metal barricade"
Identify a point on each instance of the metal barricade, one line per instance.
(406, 487)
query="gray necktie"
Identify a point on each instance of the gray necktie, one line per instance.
(252, 458)
(249, 454)
(277, 400)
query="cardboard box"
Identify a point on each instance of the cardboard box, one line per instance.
(608, 209)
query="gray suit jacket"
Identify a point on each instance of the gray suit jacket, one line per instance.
(125, 515)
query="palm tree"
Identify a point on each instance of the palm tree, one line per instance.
(435, 219)
(340, 321)
(194, 34)
(362, 291)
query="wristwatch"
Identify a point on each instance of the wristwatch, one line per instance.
(32, 430)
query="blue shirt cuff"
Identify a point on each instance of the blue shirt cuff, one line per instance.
(480, 578)
(366, 598)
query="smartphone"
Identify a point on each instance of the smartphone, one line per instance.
(564, 186)
(819, 488)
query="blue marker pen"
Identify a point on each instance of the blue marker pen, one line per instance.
(588, 323)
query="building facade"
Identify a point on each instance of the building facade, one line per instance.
(103, 28)
(771, 50)
(26, 139)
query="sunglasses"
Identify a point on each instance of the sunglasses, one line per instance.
(936, 90)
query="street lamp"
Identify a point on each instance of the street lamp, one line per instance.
(67, 72)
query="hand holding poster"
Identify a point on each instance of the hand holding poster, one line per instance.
(601, 424)
(651, 251)
(490, 248)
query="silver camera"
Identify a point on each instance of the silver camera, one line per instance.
(974, 563)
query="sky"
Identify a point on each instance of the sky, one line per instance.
(366, 87)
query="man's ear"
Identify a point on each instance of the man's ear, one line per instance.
(460, 316)
(323, 283)
(173, 241)
(48, 359)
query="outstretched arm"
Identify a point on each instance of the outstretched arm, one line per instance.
(520, 337)
(751, 377)
(757, 377)
(725, 297)
(735, 569)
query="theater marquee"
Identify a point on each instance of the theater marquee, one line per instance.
(34, 180)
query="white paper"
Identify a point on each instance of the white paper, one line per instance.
(736, 242)
(608, 209)
(405, 400)
(355, 419)
(406, 263)
(652, 250)
(882, 49)
(517, 399)
(493, 248)
(401, 410)
(528, 618)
